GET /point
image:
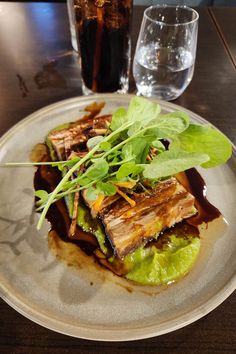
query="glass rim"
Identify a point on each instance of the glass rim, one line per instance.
(173, 7)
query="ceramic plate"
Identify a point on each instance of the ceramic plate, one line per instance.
(85, 301)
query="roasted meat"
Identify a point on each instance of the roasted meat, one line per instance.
(64, 141)
(127, 227)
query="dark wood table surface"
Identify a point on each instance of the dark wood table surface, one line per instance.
(225, 22)
(39, 67)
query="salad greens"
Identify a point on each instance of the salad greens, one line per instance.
(125, 153)
(204, 139)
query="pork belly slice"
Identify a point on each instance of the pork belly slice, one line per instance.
(129, 227)
(66, 140)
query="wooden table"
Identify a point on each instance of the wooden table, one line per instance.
(39, 67)
(225, 22)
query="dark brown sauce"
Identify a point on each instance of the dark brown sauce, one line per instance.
(195, 184)
(47, 177)
(93, 109)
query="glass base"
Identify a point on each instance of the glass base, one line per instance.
(86, 91)
(163, 93)
(123, 90)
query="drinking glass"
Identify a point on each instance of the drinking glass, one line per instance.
(71, 17)
(103, 37)
(165, 53)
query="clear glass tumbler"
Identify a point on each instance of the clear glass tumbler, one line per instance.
(165, 53)
(103, 36)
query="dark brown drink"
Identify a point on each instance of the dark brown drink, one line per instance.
(103, 34)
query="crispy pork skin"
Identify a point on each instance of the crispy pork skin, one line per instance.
(129, 227)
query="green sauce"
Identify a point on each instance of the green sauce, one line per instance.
(151, 266)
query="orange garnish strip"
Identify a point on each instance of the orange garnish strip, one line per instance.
(125, 184)
(97, 204)
(73, 224)
(128, 199)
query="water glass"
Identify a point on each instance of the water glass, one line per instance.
(165, 53)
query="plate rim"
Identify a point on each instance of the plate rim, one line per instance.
(38, 112)
(121, 335)
(115, 334)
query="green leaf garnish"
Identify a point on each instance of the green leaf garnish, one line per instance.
(106, 146)
(142, 110)
(170, 124)
(158, 145)
(106, 188)
(118, 118)
(42, 195)
(170, 162)
(204, 139)
(94, 141)
(128, 169)
(98, 169)
(92, 193)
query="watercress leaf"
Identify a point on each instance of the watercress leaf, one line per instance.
(61, 167)
(204, 139)
(142, 110)
(92, 193)
(113, 159)
(67, 164)
(106, 188)
(158, 145)
(105, 145)
(122, 136)
(118, 118)
(170, 162)
(42, 195)
(83, 181)
(56, 164)
(134, 128)
(113, 156)
(98, 169)
(143, 155)
(73, 161)
(169, 125)
(70, 184)
(180, 115)
(127, 169)
(135, 148)
(94, 141)
(127, 151)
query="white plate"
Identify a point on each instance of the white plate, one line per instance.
(87, 302)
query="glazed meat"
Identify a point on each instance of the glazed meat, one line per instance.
(64, 141)
(127, 227)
